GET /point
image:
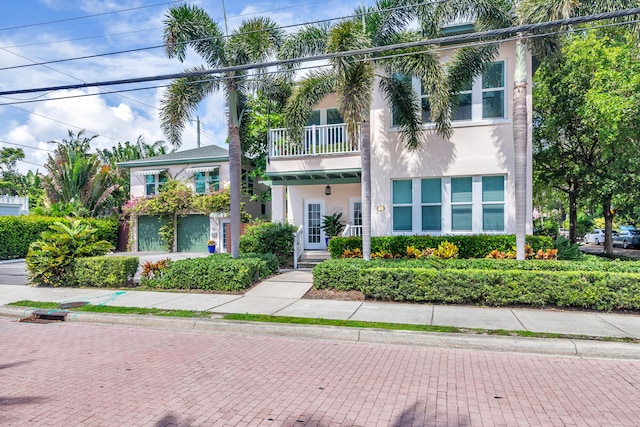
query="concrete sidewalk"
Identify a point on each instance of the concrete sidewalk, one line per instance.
(282, 295)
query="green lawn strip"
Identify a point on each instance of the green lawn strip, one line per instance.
(414, 327)
(114, 309)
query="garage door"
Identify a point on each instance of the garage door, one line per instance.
(193, 233)
(148, 234)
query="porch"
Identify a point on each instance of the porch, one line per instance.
(318, 140)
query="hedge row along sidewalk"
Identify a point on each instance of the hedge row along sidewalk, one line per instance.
(587, 285)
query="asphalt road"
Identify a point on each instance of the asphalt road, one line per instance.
(102, 375)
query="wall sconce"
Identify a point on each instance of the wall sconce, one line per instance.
(380, 208)
(327, 190)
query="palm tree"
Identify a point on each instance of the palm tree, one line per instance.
(254, 41)
(518, 12)
(353, 81)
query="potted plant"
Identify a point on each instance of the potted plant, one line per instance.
(211, 245)
(332, 226)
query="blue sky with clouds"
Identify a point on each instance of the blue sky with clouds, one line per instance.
(28, 36)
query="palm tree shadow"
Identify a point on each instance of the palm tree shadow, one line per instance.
(171, 420)
(411, 416)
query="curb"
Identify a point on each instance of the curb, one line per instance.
(539, 346)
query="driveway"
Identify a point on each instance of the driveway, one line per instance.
(598, 250)
(14, 272)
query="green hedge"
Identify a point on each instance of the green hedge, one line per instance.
(572, 284)
(475, 246)
(18, 232)
(105, 271)
(217, 272)
(269, 238)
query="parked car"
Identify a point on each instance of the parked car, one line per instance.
(595, 236)
(627, 239)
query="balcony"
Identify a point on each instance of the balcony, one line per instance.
(319, 140)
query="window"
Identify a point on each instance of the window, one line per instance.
(334, 117)
(493, 203)
(206, 182)
(461, 204)
(431, 201)
(426, 105)
(152, 183)
(402, 205)
(314, 119)
(462, 111)
(493, 91)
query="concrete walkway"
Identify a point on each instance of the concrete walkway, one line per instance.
(282, 295)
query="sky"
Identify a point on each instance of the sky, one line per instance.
(28, 36)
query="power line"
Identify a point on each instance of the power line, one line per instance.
(17, 27)
(26, 146)
(495, 34)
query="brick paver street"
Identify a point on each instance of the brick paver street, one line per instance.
(75, 374)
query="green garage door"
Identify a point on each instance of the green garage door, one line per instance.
(148, 234)
(193, 233)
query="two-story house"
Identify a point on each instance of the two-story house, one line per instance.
(461, 185)
(204, 170)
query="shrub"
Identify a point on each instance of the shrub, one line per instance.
(105, 271)
(269, 238)
(50, 260)
(475, 246)
(152, 269)
(18, 232)
(566, 250)
(217, 272)
(602, 285)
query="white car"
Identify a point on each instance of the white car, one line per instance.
(595, 236)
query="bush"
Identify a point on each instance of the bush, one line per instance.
(18, 232)
(50, 260)
(593, 285)
(269, 238)
(475, 246)
(105, 271)
(218, 272)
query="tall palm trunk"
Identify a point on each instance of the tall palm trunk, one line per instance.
(520, 144)
(235, 166)
(365, 158)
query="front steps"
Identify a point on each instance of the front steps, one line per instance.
(311, 258)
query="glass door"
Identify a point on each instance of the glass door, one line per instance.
(313, 235)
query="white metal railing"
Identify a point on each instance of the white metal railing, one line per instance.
(318, 140)
(298, 246)
(352, 230)
(16, 200)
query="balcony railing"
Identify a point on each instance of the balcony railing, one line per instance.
(318, 140)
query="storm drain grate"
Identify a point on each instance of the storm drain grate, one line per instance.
(46, 316)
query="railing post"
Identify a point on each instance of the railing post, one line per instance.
(313, 139)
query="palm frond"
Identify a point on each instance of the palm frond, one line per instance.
(255, 40)
(187, 25)
(180, 101)
(406, 109)
(306, 95)
(354, 92)
(386, 19)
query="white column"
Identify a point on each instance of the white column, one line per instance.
(278, 200)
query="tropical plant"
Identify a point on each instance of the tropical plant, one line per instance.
(254, 41)
(50, 260)
(332, 225)
(76, 176)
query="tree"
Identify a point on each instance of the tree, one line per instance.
(586, 133)
(353, 80)
(9, 176)
(77, 177)
(254, 41)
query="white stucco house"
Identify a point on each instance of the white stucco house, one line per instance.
(204, 169)
(461, 185)
(13, 205)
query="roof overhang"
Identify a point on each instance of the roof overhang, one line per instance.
(168, 162)
(317, 177)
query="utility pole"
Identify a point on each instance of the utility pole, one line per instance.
(198, 129)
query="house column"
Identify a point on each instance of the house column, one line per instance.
(278, 203)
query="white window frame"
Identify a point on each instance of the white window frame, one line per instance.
(495, 89)
(156, 183)
(496, 203)
(207, 184)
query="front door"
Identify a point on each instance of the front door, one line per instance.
(313, 234)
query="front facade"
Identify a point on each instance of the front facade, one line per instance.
(461, 185)
(203, 170)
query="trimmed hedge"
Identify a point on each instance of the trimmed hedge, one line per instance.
(456, 282)
(218, 272)
(269, 238)
(474, 246)
(18, 232)
(105, 271)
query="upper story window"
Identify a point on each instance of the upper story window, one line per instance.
(152, 183)
(486, 92)
(325, 116)
(206, 181)
(247, 182)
